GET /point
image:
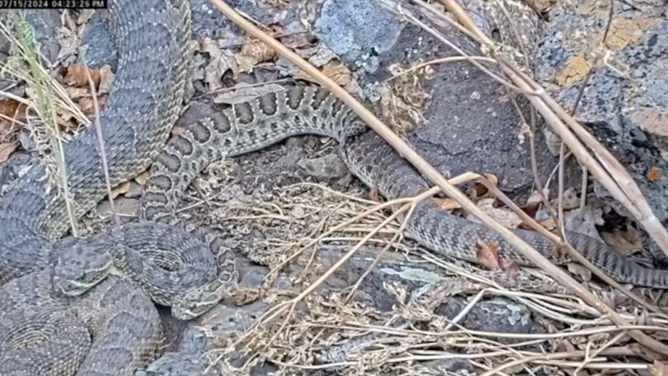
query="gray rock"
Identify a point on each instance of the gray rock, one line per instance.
(46, 24)
(328, 166)
(494, 315)
(625, 104)
(358, 31)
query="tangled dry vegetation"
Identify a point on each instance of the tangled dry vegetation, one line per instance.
(316, 325)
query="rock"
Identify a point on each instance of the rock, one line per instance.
(329, 166)
(625, 103)
(46, 24)
(493, 315)
(123, 205)
(358, 31)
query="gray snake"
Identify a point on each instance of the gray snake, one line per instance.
(145, 101)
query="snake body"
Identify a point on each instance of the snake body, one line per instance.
(145, 101)
(299, 110)
(111, 326)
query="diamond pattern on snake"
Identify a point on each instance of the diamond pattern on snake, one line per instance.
(84, 305)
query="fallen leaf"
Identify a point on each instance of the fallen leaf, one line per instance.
(548, 224)
(658, 369)
(106, 80)
(76, 76)
(11, 109)
(623, 242)
(584, 221)
(88, 108)
(653, 173)
(317, 55)
(447, 203)
(76, 93)
(373, 194)
(337, 72)
(488, 255)
(258, 50)
(142, 178)
(505, 217)
(580, 271)
(512, 268)
(609, 300)
(244, 64)
(6, 150)
(177, 130)
(218, 64)
(243, 94)
(120, 189)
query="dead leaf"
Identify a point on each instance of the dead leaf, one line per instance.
(511, 267)
(177, 130)
(536, 198)
(76, 93)
(506, 217)
(142, 178)
(6, 150)
(120, 189)
(584, 221)
(11, 109)
(658, 369)
(447, 203)
(373, 195)
(488, 255)
(76, 76)
(623, 241)
(88, 108)
(337, 72)
(580, 271)
(609, 300)
(258, 50)
(242, 94)
(548, 224)
(218, 64)
(653, 173)
(106, 80)
(317, 55)
(244, 64)
(295, 41)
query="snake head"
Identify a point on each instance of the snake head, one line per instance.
(79, 269)
(198, 300)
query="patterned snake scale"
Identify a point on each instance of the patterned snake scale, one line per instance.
(112, 328)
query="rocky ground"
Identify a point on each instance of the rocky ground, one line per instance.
(269, 203)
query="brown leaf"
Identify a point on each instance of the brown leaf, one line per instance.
(142, 178)
(76, 76)
(88, 107)
(511, 267)
(337, 72)
(106, 80)
(373, 194)
(447, 203)
(505, 217)
(488, 255)
(658, 369)
(653, 173)
(580, 271)
(258, 50)
(6, 150)
(120, 189)
(11, 109)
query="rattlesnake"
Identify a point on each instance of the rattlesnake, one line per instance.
(144, 103)
(112, 328)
